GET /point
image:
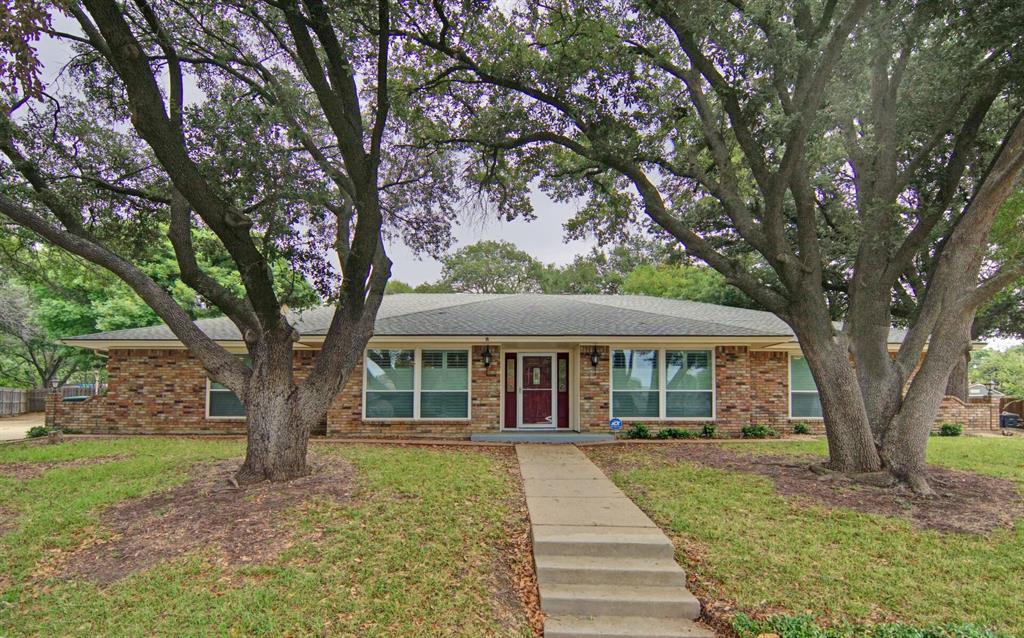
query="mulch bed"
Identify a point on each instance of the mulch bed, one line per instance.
(205, 512)
(25, 470)
(965, 502)
(517, 553)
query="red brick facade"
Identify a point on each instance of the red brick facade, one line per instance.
(164, 391)
(595, 390)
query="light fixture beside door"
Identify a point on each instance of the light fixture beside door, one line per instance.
(486, 355)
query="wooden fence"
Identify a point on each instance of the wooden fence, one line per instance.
(14, 401)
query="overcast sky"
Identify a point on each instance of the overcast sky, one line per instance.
(544, 238)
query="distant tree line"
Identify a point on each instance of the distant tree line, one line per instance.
(637, 267)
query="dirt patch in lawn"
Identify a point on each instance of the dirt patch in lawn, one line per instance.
(7, 518)
(966, 502)
(205, 512)
(25, 470)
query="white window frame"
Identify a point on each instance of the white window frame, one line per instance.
(417, 385)
(790, 390)
(663, 382)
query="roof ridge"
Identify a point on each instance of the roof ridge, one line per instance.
(598, 297)
(487, 296)
(659, 314)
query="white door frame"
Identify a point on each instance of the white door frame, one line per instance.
(554, 390)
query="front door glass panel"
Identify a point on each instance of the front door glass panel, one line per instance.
(536, 381)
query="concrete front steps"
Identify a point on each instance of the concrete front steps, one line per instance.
(621, 627)
(604, 569)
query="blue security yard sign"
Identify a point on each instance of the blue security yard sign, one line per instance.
(615, 424)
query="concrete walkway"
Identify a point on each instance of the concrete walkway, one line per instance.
(16, 427)
(604, 569)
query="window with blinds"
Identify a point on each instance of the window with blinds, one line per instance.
(415, 383)
(665, 384)
(804, 402)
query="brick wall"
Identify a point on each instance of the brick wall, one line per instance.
(148, 392)
(979, 414)
(769, 373)
(595, 390)
(345, 417)
(733, 400)
(164, 391)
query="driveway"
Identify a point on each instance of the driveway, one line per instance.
(15, 427)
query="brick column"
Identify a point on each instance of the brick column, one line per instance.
(594, 390)
(732, 388)
(52, 419)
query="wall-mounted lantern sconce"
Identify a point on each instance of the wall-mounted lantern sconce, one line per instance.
(486, 356)
(595, 357)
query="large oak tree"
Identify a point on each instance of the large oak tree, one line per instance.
(275, 129)
(859, 149)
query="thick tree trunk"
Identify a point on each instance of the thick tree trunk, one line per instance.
(957, 384)
(905, 443)
(277, 437)
(280, 413)
(851, 446)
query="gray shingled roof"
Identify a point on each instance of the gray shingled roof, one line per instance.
(516, 315)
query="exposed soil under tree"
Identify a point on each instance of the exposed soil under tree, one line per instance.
(205, 512)
(965, 501)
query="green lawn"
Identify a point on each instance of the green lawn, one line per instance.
(773, 555)
(418, 552)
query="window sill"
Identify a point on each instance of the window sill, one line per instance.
(463, 419)
(667, 419)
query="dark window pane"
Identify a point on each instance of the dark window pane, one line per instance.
(806, 404)
(688, 404)
(635, 404)
(389, 405)
(444, 405)
(225, 403)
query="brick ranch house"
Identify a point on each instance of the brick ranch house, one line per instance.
(456, 365)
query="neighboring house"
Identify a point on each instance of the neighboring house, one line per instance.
(982, 390)
(459, 364)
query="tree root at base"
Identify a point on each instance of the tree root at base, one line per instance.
(882, 478)
(247, 476)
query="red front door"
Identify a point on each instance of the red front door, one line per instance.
(536, 378)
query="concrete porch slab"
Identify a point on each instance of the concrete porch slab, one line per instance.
(541, 437)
